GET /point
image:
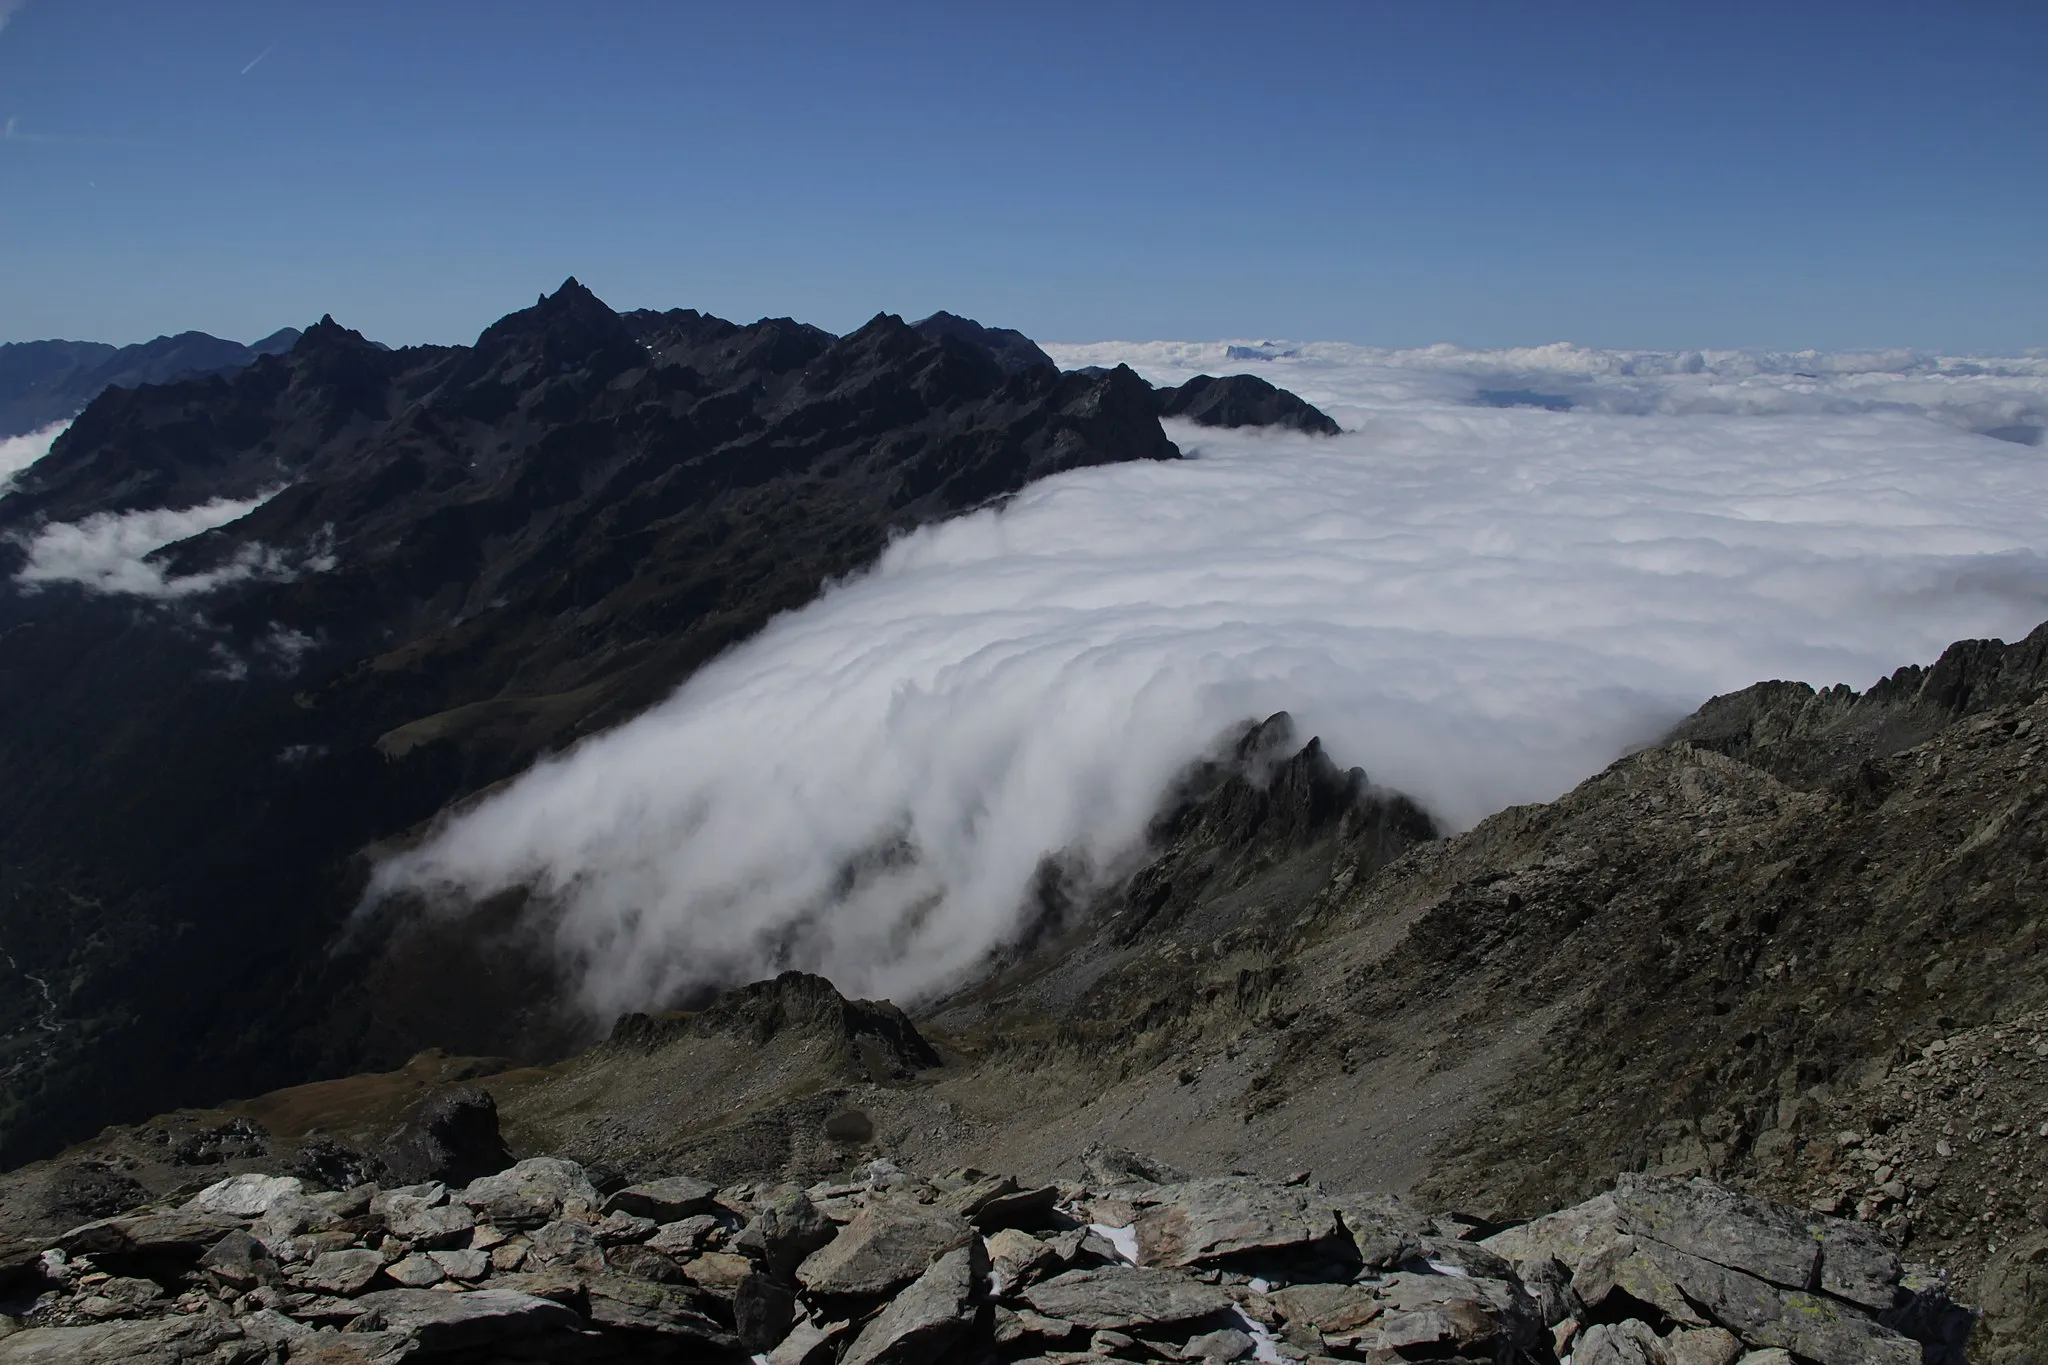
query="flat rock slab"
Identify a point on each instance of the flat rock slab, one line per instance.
(886, 1246)
(456, 1322)
(921, 1322)
(245, 1196)
(342, 1272)
(665, 1201)
(1769, 1241)
(619, 1303)
(1332, 1309)
(1203, 1220)
(1115, 1297)
(164, 1234)
(166, 1341)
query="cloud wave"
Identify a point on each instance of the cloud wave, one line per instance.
(1480, 605)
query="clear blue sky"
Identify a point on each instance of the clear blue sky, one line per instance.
(1640, 174)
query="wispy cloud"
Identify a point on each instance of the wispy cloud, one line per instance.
(253, 64)
(12, 131)
(8, 9)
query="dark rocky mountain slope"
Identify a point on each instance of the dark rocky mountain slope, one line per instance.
(471, 556)
(42, 382)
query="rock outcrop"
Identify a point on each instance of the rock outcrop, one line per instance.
(1243, 400)
(1220, 1268)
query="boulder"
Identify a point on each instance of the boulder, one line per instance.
(459, 1322)
(1202, 1221)
(684, 1237)
(238, 1259)
(785, 1233)
(453, 1136)
(1117, 1297)
(886, 1246)
(566, 1244)
(618, 1304)
(416, 1271)
(1701, 1346)
(184, 1235)
(1812, 1326)
(763, 1311)
(718, 1273)
(245, 1196)
(665, 1201)
(620, 1228)
(462, 1265)
(534, 1191)
(1630, 1342)
(1713, 1223)
(1224, 1345)
(644, 1263)
(1334, 1310)
(1017, 1259)
(422, 1215)
(342, 1272)
(1026, 1209)
(920, 1323)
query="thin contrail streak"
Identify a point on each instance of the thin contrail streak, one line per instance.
(259, 58)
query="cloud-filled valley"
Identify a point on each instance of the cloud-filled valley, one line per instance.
(1509, 569)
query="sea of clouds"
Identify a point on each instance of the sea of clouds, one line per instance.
(1510, 569)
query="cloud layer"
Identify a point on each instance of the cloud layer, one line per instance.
(1479, 605)
(109, 552)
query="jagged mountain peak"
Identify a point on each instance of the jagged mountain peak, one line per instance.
(1012, 349)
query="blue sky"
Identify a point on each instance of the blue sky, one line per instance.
(1796, 174)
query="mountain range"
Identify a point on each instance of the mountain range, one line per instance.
(44, 382)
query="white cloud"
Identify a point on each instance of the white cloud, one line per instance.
(108, 551)
(8, 9)
(19, 452)
(1479, 606)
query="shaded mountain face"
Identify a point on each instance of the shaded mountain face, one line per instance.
(478, 555)
(42, 382)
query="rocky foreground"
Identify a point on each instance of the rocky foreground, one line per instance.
(539, 1262)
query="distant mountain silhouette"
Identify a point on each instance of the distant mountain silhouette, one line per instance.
(47, 381)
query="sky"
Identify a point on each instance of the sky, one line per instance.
(1731, 175)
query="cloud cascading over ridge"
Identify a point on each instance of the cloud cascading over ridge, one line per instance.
(19, 452)
(109, 551)
(1480, 605)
